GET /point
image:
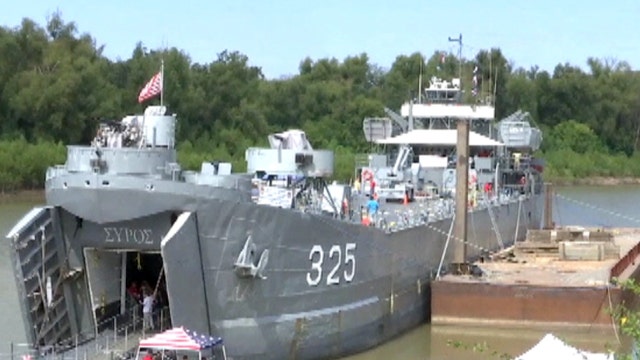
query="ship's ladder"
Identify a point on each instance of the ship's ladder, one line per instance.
(494, 223)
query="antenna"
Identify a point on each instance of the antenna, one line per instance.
(165, 43)
(490, 74)
(495, 86)
(420, 81)
(459, 41)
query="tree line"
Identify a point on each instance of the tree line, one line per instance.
(56, 85)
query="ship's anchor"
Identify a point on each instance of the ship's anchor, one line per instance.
(245, 264)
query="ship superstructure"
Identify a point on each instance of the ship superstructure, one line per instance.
(306, 271)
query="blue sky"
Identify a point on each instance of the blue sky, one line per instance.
(276, 35)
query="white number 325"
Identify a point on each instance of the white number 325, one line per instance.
(317, 255)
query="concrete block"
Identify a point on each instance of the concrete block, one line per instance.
(611, 251)
(569, 235)
(581, 250)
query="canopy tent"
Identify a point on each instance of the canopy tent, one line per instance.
(180, 338)
(552, 347)
(440, 137)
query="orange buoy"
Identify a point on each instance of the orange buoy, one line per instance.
(367, 175)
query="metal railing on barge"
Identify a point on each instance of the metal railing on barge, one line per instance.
(117, 339)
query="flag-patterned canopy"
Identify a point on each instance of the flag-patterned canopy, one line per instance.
(180, 339)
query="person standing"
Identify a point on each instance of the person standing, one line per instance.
(134, 291)
(147, 310)
(373, 207)
(149, 355)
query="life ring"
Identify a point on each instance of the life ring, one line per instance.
(473, 179)
(367, 175)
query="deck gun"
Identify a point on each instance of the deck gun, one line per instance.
(399, 180)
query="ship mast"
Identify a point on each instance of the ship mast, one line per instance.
(459, 41)
(420, 81)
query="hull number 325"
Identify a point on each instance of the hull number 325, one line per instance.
(341, 264)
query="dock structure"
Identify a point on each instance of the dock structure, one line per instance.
(103, 349)
(117, 338)
(555, 277)
(107, 346)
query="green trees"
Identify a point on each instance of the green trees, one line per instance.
(55, 85)
(23, 165)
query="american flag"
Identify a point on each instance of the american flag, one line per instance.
(180, 339)
(153, 88)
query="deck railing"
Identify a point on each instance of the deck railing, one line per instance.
(118, 340)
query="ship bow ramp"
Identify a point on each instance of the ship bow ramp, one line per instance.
(73, 275)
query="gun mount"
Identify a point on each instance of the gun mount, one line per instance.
(290, 154)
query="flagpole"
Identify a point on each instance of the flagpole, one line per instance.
(161, 82)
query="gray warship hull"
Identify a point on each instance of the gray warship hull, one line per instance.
(329, 288)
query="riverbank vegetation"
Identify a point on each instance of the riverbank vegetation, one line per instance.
(56, 85)
(627, 317)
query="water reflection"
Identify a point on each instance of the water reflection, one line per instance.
(492, 342)
(479, 343)
(415, 344)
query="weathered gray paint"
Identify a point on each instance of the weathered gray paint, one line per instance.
(131, 197)
(185, 274)
(282, 315)
(144, 233)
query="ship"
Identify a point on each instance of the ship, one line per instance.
(280, 261)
